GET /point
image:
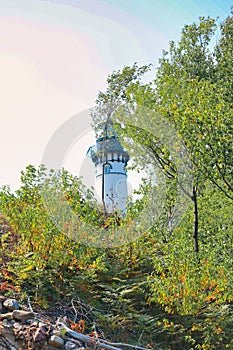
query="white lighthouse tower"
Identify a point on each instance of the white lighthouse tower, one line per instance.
(110, 160)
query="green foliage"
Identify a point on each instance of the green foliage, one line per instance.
(148, 285)
(153, 289)
(45, 256)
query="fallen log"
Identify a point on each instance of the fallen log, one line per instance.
(84, 338)
(101, 343)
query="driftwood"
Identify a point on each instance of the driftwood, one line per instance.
(101, 343)
(23, 329)
(124, 345)
(6, 345)
(7, 340)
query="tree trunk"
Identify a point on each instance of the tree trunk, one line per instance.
(195, 232)
(103, 192)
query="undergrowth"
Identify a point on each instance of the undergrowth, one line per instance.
(149, 292)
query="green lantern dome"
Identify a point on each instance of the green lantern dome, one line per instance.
(107, 143)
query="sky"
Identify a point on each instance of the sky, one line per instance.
(55, 55)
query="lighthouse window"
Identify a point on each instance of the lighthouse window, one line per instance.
(107, 168)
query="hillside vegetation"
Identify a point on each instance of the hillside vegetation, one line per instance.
(171, 287)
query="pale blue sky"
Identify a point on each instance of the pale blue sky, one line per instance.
(55, 56)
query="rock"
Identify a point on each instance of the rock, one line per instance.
(6, 323)
(17, 325)
(7, 316)
(73, 345)
(70, 345)
(42, 324)
(56, 341)
(31, 321)
(21, 315)
(11, 304)
(56, 332)
(2, 298)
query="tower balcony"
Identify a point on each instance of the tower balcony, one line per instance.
(108, 150)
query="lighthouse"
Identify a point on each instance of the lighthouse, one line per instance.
(110, 160)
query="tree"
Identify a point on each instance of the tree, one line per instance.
(187, 94)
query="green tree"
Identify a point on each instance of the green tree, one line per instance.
(186, 93)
